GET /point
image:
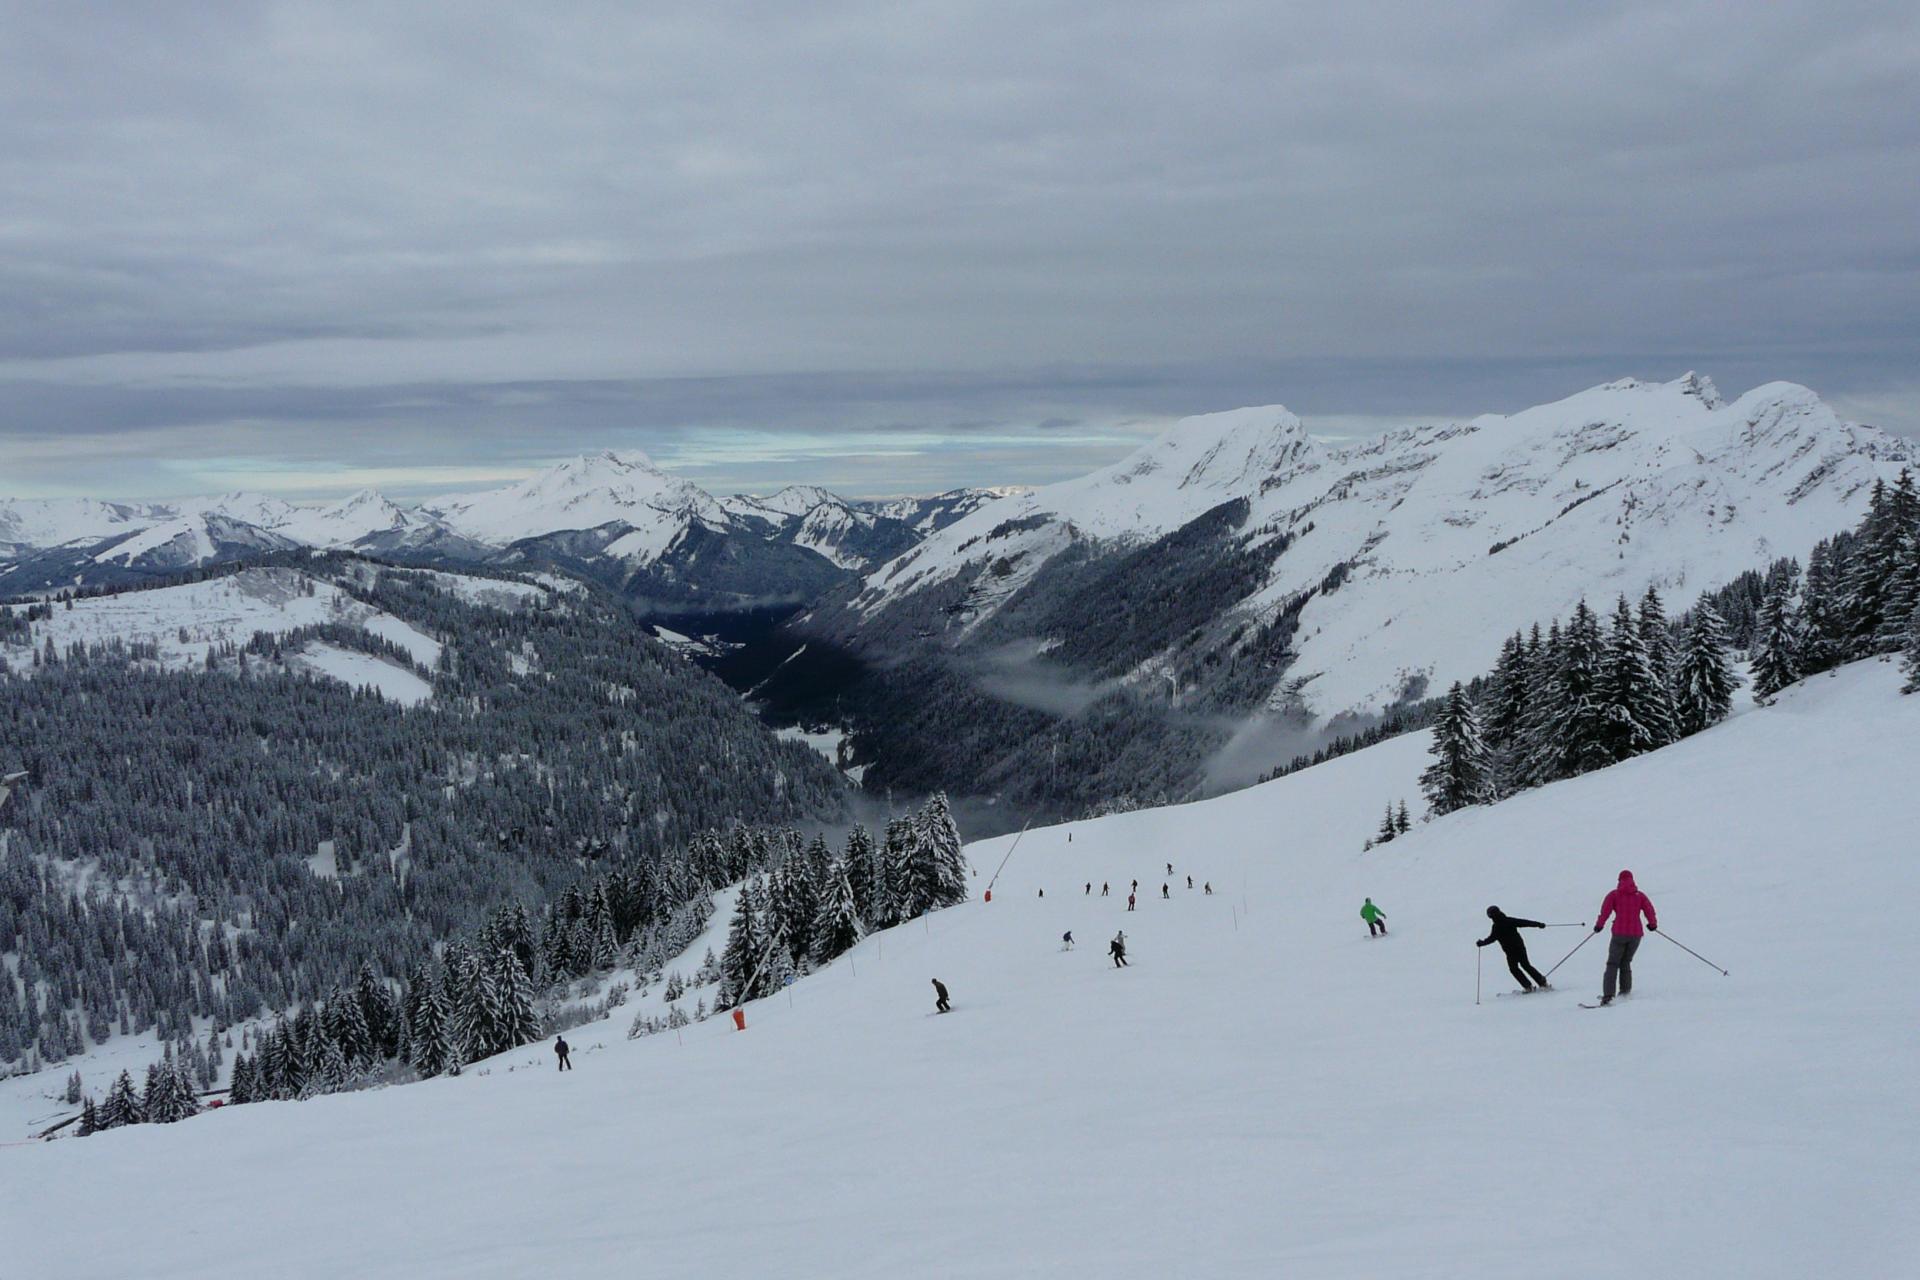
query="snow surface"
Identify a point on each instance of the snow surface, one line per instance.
(362, 670)
(1623, 486)
(228, 608)
(1266, 1092)
(585, 493)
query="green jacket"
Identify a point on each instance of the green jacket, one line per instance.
(1370, 913)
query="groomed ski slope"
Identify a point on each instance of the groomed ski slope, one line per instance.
(1281, 1098)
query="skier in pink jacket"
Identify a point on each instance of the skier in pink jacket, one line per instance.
(1626, 904)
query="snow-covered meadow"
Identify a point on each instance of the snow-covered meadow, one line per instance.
(1264, 1092)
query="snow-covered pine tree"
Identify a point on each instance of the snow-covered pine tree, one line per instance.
(516, 1022)
(1579, 704)
(1402, 820)
(1387, 830)
(938, 837)
(893, 890)
(1507, 701)
(430, 1037)
(240, 1086)
(1536, 758)
(122, 1105)
(381, 1012)
(1823, 637)
(1705, 680)
(347, 1027)
(1638, 716)
(745, 944)
(335, 1073)
(836, 926)
(1461, 773)
(89, 1118)
(1875, 557)
(1776, 643)
(858, 859)
(1663, 658)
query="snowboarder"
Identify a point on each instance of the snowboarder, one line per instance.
(940, 1005)
(1376, 919)
(1118, 950)
(1506, 931)
(563, 1053)
(1066, 940)
(1129, 902)
(1625, 904)
(1163, 890)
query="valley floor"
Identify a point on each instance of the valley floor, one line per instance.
(1265, 1092)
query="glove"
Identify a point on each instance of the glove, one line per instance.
(1481, 943)
(1597, 928)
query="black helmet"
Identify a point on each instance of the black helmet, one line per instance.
(1493, 913)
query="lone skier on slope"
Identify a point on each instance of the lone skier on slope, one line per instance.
(1130, 902)
(940, 1005)
(1066, 940)
(1506, 931)
(1625, 904)
(1376, 919)
(563, 1054)
(1163, 891)
(1118, 950)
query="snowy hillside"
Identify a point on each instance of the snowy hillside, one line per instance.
(1399, 562)
(1264, 1092)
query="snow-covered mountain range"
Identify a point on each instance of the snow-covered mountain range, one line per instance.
(1366, 572)
(613, 515)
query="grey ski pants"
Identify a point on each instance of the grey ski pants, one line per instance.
(1619, 964)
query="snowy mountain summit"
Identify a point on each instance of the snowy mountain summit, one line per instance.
(1373, 570)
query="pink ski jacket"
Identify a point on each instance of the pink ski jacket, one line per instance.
(1625, 904)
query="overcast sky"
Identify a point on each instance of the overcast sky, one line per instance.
(902, 246)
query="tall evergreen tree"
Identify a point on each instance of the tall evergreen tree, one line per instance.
(1461, 773)
(746, 947)
(1578, 704)
(938, 838)
(1638, 715)
(430, 1035)
(1776, 647)
(1823, 634)
(1910, 655)
(1663, 657)
(122, 1105)
(516, 1022)
(836, 926)
(1705, 681)
(858, 860)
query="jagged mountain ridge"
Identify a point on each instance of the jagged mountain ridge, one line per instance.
(1457, 532)
(613, 516)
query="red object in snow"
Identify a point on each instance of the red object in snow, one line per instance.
(217, 1102)
(989, 895)
(739, 1019)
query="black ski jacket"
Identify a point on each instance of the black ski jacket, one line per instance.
(1506, 932)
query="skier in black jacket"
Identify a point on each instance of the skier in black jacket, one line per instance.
(940, 1005)
(563, 1053)
(1506, 931)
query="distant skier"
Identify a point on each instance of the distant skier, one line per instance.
(1209, 888)
(563, 1053)
(1136, 886)
(1105, 888)
(1066, 940)
(1189, 882)
(1169, 868)
(1118, 950)
(1089, 892)
(940, 1005)
(1626, 904)
(1043, 893)
(1376, 919)
(1506, 931)
(1130, 898)
(1163, 892)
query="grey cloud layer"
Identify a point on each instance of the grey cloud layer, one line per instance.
(282, 232)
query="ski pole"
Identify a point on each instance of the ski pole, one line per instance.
(1695, 954)
(1476, 973)
(1583, 942)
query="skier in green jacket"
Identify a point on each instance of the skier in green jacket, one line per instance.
(1376, 919)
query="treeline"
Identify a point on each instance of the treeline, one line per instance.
(1587, 695)
(168, 859)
